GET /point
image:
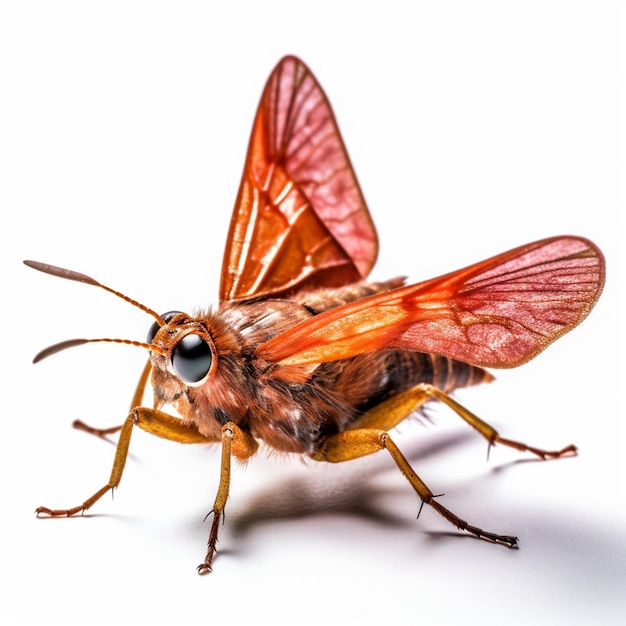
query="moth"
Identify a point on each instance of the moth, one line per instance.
(305, 355)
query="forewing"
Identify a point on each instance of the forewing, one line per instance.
(498, 313)
(300, 221)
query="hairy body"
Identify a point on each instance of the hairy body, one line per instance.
(291, 408)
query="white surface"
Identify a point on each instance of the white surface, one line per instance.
(473, 127)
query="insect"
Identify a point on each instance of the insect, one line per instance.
(306, 356)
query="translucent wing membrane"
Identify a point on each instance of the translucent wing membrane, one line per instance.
(300, 221)
(498, 313)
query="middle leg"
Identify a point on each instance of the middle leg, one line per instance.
(352, 444)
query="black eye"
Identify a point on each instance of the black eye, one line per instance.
(155, 327)
(192, 358)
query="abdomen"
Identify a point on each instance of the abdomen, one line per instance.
(367, 380)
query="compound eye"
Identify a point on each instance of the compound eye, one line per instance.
(192, 358)
(155, 326)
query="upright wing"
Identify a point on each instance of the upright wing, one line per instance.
(300, 220)
(498, 313)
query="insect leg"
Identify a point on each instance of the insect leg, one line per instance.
(242, 445)
(135, 402)
(490, 433)
(392, 411)
(352, 444)
(152, 421)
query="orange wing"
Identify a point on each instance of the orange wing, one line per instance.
(300, 221)
(498, 313)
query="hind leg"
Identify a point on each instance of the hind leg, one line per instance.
(394, 410)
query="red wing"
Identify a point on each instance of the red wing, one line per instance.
(498, 313)
(300, 220)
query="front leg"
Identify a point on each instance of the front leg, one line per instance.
(152, 421)
(243, 446)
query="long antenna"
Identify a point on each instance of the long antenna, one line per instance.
(61, 272)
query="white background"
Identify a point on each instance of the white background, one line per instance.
(473, 127)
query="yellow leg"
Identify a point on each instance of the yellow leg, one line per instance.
(353, 444)
(369, 434)
(392, 411)
(242, 445)
(152, 421)
(234, 442)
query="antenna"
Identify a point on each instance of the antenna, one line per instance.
(61, 272)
